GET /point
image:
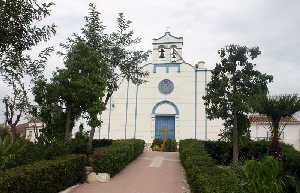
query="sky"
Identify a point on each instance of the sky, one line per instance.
(205, 25)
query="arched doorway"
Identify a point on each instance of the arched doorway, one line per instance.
(165, 113)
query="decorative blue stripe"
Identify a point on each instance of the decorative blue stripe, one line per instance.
(205, 83)
(109, 118)
(126, 115)
(135, 117)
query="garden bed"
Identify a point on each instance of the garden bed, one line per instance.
(203, 175)
(208, 168)
(165, 145)
(47, 176)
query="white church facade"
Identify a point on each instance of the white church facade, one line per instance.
(168, 105)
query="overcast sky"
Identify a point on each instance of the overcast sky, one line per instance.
(206, 26)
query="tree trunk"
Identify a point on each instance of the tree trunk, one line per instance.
(275, 147)
(68, 131)
(235, 135)
(90, 142)
(13, 131)
(235, 140)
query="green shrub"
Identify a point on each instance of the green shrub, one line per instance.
(38, 151)
(254, 150)
(24, 152)
(4, 130)
(203, 175)
(219, 151)
(46, 176)
(290, 184)
(291, 161)
(222, 151)
(170, 145)
(290, 164)
(101, 142)
(79, 145)
(166, 145)
(9, 150)
(156, 144)
(112, 159)
(263, 176)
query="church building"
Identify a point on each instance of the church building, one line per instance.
(168, 105)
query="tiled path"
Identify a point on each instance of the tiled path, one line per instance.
(152, 172)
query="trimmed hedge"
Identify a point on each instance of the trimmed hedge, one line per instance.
(101, 142)
(291, 161)
(32, 152)
(222, 153)
(46, 176)
(80, 146)
(290, 164)
(203, 175)
(166, 145)
(35, 152)
(112, 159)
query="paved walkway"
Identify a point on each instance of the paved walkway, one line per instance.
(152, 172)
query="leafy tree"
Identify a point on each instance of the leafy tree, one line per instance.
(116, 51)
(20, 31)
(89, 75)
(111, 53)
(276, 108)
(77, 88)
(243, 130)
(49, 110)
(17, 103)
(233, 81)
(81, 135)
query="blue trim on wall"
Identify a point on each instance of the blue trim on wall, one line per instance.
(196, 86)
(135, 112)
(126, 115)
(167, 66)
(109, 118)
(165, 102)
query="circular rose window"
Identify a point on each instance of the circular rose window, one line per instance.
(166, 86)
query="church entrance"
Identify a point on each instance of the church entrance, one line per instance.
(164, 127)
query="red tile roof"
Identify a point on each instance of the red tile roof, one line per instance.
(21, 128)
(261, 119)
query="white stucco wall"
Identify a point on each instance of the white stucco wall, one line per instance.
(290, 135)
(183, 96)
(33, 130)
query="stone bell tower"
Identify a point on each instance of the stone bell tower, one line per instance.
(167, 49)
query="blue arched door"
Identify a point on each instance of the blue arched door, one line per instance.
(164, 127)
